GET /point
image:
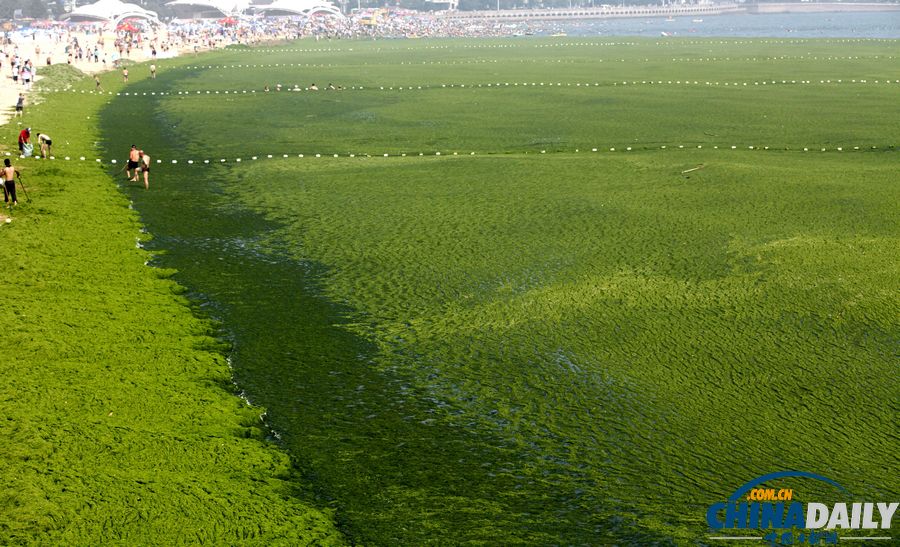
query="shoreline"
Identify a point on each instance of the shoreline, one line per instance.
(39, 51)
(822, 7)
(124, 426)
(644, 11)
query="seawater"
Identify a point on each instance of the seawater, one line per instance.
(885, 24)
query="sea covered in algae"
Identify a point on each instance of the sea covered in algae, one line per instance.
(594, 287)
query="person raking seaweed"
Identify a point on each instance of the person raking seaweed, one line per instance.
(9, 183)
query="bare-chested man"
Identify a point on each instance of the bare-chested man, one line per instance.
(134, 157)
(145, 167)
(9, 183)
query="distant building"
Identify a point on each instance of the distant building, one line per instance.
(109, 11)
(441, 5)
(214, 9)
(207, 9)
(280, 8)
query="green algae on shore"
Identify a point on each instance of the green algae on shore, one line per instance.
(121, 423)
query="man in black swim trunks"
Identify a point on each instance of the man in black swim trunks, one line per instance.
(145, 167)
(46, 143)
(9, 183)
(134, 157)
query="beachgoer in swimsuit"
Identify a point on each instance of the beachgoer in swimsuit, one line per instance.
(9, 183)
(145, 167)
(134, 157)
(46, 143)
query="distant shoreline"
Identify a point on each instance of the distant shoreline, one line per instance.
(621, 12)
(821, 7)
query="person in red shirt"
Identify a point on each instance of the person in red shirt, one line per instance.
(24, 136)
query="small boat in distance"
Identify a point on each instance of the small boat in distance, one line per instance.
(696, 20)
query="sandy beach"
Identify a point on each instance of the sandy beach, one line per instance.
(99, 51)
(37, 51)
(53, 48)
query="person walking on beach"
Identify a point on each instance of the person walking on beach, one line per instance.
(46, 143)
(97, 83)
(152, 71)
(145, 167)
(134, 157)
(125, 75)
(24, 136)
(9, 183)
(26, 74)
(20, 105)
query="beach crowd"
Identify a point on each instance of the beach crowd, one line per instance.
(96, 47)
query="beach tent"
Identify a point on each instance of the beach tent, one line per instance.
(109, 11)
(207, 9)
(280, 8)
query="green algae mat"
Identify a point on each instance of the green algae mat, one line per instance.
(120, 423)
(536, 291)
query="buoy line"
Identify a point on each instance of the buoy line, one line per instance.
(673, 42)
(597, 149)
(494, 85)
(378, 49)
(245, 66)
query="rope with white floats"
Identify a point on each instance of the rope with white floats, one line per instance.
(633, 148)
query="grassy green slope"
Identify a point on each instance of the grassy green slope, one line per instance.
(120, 422)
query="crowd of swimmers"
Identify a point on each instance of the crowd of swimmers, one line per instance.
(312, 87)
